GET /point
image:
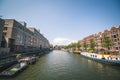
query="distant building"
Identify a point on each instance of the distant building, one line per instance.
(113, 34)
(20, 38)
(38, 40)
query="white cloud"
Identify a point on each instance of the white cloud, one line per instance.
(62, 41)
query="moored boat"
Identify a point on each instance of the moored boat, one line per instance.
(107, 59)
(29, 60)
(12, 71)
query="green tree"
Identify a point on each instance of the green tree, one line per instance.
(85, 45)
(106, 42)
(73, 46)
(92, 44)
(78, 45)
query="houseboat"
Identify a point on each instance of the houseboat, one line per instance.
(107, 59)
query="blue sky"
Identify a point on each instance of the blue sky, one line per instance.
(63, 21)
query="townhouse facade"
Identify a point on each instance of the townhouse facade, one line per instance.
(115, 37)
(19, 38)
(113, 34)
(98, 40)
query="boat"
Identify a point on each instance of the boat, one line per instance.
(29, 60)
(76, 51)
(14, 70)
(107, 59)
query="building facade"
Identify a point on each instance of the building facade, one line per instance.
(19, 38)
(98, 40)
(113, 34)
(1, 30)
(115, 37)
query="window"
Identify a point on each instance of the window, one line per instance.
(114, 36)
(116, 48)
(4, 33)
(6, 24)
(5, 28)
(115, 40)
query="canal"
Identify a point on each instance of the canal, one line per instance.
(59, 65)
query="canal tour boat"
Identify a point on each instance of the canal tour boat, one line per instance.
(107, 59)
(14, 70)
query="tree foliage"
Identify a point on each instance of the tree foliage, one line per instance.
(92, 44)
(85, 45)
(106, 42)
(73, 45)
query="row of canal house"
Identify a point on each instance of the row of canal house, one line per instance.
(16, 37)
(113, 34)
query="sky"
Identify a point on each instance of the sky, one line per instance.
(64, 21)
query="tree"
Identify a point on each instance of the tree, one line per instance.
(106, 42)
(85, 45)
(92, 44)
(78, 45)
(73, 46)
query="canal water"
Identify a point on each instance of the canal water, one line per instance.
(59, 65)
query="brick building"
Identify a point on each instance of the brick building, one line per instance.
(20, 38)
(115, 37)
(113, 34)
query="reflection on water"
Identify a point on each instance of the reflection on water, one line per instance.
(59, 65)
